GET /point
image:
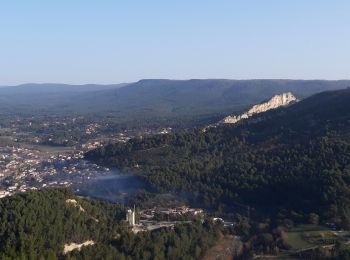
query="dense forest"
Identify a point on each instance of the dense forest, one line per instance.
(37, 225)
(294, 159)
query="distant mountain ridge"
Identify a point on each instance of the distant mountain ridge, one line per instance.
(155, 99)
(56, 87)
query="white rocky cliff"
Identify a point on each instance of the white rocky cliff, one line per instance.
(276, 101)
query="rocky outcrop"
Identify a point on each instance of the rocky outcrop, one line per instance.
(281, 100)
(75, 204)
(74, 246)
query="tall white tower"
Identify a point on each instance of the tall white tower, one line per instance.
(130, 217)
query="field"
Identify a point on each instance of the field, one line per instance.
(6, 140)
(307, 236)
(49, 149)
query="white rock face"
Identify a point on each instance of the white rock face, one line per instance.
(74, 246)
(276, 101)
(75, 204)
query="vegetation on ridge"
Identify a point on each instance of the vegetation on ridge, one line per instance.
(295, 160)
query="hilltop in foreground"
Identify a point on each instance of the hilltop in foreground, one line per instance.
(55, 224)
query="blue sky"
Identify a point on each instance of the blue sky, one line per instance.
(91, 41)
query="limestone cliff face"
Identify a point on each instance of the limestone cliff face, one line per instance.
(276, 101)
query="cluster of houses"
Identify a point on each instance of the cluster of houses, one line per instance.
(148, 223)
(23, 169)
(149, 213)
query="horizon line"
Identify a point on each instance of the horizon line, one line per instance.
(166, 79)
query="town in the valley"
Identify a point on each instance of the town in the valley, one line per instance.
(49, 152)
(31, 160)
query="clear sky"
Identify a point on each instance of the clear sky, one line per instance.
(101, 41)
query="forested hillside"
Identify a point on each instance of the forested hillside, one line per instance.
(37, 225)
(158, 97)
(295, 158)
